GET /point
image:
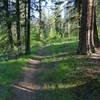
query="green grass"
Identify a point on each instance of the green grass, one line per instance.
(68, 76)
(10, 73)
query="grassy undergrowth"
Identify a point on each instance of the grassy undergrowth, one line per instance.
(10, 73)
(68, 76)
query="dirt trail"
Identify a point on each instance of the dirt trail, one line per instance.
(29, 89)
(25, 89)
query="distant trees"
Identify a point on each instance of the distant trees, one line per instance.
(58, 19)
(17, 16)
(69, 16)
(18, 27)
(12, 16)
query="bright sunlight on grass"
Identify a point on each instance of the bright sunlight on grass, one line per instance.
(68, 76)
(10, 72)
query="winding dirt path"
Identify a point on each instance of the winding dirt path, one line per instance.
(26, 87)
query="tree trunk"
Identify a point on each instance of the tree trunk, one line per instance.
(25, 23)
(28, 29)
(8, 23)
(18, 27)
(69, 24)
(82, 33)
(79, 4)
(87, 29)
(40, 18)
(96, 37)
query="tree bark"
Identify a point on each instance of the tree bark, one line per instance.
(82, 33)
(96, 37)
(88, 33)
(18, 27)
(8, 23)
(40, 18)
(79, 4)
(25, 23)
(28, 29)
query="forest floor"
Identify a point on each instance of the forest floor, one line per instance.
(25, 89)
(58, 73)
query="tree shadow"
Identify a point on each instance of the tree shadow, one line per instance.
(83, 69)
(86, 91)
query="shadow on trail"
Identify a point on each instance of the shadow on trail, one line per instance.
(81, 69)
(84, 69)
(87, 91)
